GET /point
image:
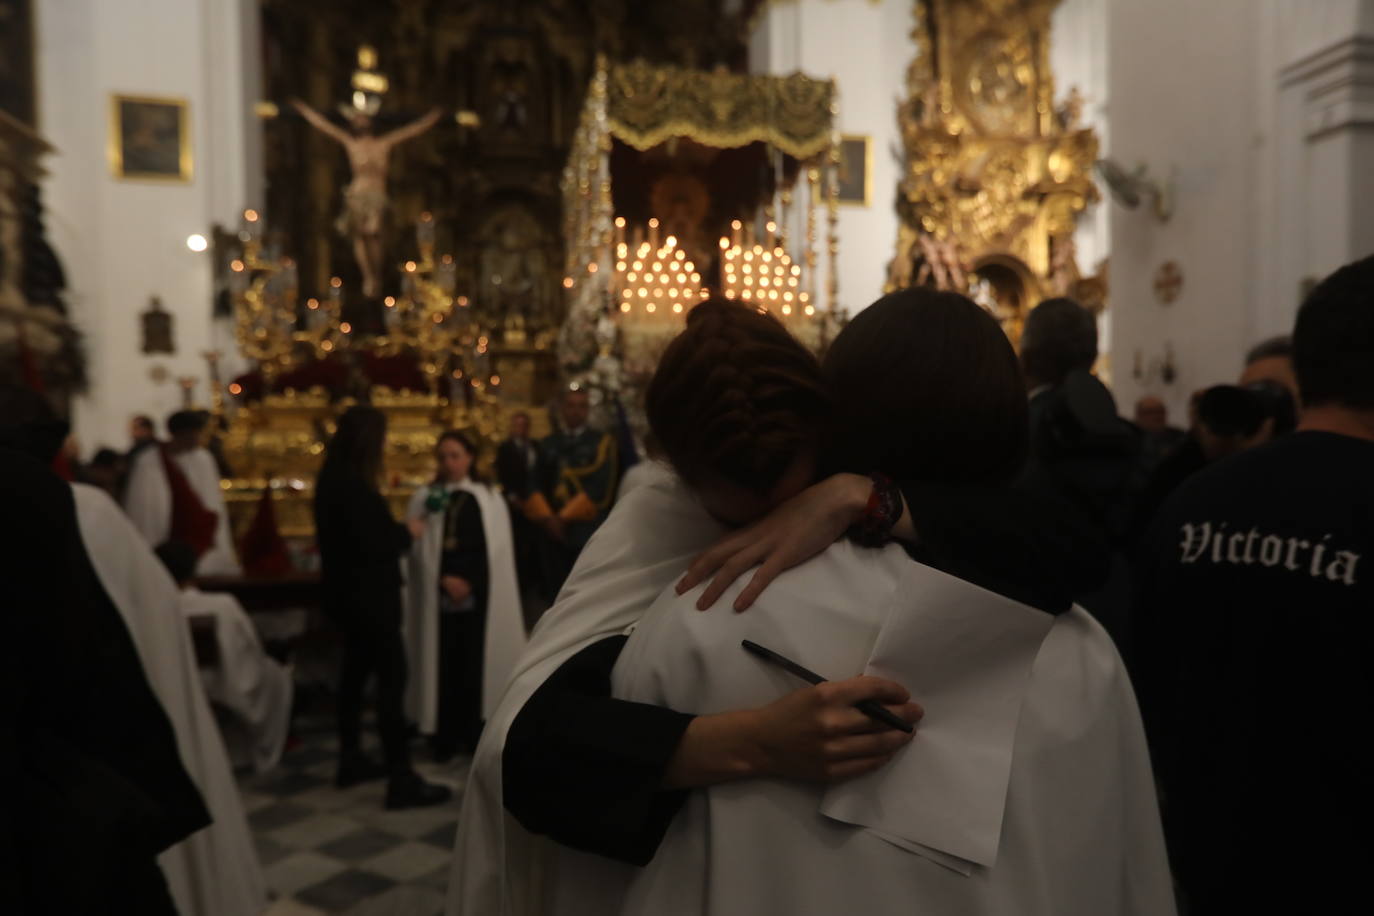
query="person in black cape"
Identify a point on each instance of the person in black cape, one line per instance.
(89, 758)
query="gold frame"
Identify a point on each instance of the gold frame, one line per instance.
(115, 145)
(867, 141)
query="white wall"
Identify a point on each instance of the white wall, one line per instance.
(124, 241)
(1260, 109)
(865, 47)
(1078, 60)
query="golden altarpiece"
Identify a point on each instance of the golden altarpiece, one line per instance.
(994, 173)
(655, 217)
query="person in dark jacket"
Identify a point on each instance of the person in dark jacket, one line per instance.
(519, 461)
(361, 545)
(1082, 453)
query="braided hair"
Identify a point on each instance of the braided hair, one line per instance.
(735, 396)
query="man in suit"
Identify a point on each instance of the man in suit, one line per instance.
(518, 465)
(578, 478)
(517, 460)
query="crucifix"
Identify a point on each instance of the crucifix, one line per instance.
(365, 197)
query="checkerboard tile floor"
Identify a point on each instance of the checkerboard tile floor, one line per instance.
(327, 850)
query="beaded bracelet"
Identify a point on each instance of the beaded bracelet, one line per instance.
(884, 510)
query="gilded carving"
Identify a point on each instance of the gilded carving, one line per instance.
(993, 171)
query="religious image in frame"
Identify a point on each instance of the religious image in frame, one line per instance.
(150, 139)
(856, 170)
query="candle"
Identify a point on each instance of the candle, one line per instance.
(424, 230)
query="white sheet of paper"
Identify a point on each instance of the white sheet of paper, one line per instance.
(966, 655)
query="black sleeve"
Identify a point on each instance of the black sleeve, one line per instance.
(1018, 540)
(370, 522)
(585, 769)
(386, 522)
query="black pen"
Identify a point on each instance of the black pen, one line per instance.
(870, 708)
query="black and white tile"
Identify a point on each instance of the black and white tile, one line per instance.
(328, 850)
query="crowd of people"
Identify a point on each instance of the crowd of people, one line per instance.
(1081, 664)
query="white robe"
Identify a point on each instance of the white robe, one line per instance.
(148, 501)
(215, 871)
(505, 630)
(1027, 790)
(247, 682)
(645, 544)
(642, 472)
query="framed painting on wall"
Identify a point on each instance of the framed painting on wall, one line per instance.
(856, 170)
(150, 139)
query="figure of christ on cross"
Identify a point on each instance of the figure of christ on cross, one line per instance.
(365, 198)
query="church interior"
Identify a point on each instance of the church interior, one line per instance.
(240, 240)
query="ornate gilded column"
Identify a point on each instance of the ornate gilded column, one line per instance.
(993, 171)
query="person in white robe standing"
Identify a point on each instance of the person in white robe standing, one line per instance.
(173, 492)
(464, 626)
(1028, 786)
(254, 688)
(215, 872)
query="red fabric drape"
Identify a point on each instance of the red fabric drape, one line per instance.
(192, 523)
(263, 549)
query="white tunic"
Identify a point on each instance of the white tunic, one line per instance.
(646, 543)
(247, 682)
(1027, 790)
(215, 871)
(505, 630)
(148, 501)
(642, 472)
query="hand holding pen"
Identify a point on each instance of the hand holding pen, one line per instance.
(817, 734)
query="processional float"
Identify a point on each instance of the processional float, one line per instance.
(682, 183)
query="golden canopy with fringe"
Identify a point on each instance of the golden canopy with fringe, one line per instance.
(647, 105)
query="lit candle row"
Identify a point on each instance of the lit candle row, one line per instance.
(659, 280)
(764, 276)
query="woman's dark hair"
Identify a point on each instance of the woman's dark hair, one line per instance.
(462, 438)
(105, 458)
(187, 421)
(1233, 412)
(357, 445)
(1333, 339)
(1059, 337)
(930, 389)
(1277, 403)
(735, 396)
